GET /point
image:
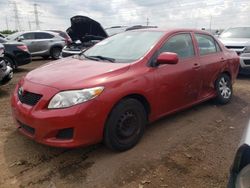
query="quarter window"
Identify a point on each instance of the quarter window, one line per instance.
(206, 44)
(181, 44)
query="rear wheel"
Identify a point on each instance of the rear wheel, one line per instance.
(224, 89)
(55, 52)
(125, 125)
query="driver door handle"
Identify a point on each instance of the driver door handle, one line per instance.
(196, 66)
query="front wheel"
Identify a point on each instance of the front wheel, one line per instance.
(125, 125)
(224, 89)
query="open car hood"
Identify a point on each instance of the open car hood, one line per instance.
(82, 26)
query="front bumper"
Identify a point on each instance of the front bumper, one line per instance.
(85, 121)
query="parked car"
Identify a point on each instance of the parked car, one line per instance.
(112, 90)
(6, 72)
(115, 30)
(238, 39)
(140, 27)
(84, 32)
(240, 170)
(16, 53)
(41, 43)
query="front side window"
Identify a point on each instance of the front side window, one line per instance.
(206, 44)
(180, 44)
(28, 36)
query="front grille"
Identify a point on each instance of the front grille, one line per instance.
(247, 61)
(26, 128)
(28, 98)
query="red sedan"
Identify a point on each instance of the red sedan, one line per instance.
(112, 90)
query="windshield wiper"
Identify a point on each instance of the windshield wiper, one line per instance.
(90, 57)
(103, 58)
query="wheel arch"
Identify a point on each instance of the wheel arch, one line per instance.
(11, 57)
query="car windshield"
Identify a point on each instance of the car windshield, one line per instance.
(125, 47)
(237, 32)
(13, 36)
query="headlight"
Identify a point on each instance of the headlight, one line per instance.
(246, 49)
(66, 99)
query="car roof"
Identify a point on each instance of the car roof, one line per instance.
(171, 30)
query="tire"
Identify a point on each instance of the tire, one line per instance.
(55, 52)
(10, 62)
(125, 125)
(224, 89)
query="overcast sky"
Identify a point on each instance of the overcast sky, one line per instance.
(55, 14)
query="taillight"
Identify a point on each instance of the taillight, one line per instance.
(23, 47)
(68, 40)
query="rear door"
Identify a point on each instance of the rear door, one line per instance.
(211, 61)
(178, 85)
(42, 42)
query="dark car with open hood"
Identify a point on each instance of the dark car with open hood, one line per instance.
(84, 32)
(6, 72)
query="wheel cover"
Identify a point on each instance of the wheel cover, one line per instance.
(56, 52)
(127, 126)
(224, 88)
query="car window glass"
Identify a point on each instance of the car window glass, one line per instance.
(206, 44)
(28, 36)
(181, 44)
(41, 35)
(218, 49)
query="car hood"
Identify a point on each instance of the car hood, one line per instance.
(82, 26)
(235, 41)
(72, 73)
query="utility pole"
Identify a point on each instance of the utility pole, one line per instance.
(147, 21)
(29, 24)
(210, 24)
(17, 23)
(7, 23)
(36, 17)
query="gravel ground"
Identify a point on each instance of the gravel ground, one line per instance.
(193, 148)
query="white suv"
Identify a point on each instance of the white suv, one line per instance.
(238, 39)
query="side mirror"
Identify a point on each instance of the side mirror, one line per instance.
(20, 38)
(167, 58)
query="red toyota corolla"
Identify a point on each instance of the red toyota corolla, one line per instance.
(112, 90)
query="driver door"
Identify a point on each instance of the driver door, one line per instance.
(178, 85)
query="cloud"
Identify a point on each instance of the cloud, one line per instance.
(163, 13)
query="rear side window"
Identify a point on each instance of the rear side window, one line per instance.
(207, 44)
(41, 35)
(181, 44)
(28, 36)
